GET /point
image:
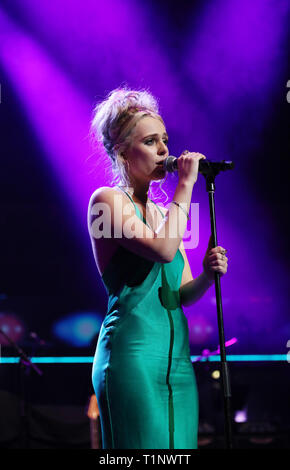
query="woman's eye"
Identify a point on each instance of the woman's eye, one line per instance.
(151, 141)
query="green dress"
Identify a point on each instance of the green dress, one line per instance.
(142, 372)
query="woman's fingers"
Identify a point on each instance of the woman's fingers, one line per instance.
(215, 261)
(218, 249)
(217, 256)
(219, 269)
(188, 164)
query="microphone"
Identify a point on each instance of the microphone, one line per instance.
(204, 166)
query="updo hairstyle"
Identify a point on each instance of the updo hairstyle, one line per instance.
(115, 118)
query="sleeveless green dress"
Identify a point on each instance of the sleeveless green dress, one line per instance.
(142, 372)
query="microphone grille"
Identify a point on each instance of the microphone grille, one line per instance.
(169, 163)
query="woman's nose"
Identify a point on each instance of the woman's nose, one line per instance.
(162, 149)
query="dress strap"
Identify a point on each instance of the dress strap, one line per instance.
(127, 195)
(136, 207)
(157, 207)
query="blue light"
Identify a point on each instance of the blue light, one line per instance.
(245, 358)
(89, 359)
(78, 329)
(51, 360)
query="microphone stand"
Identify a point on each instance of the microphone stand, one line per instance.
(210, 171)
(25, 366)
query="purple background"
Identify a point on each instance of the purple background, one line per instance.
(219, 70)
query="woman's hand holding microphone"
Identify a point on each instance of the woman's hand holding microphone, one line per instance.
(187, 165)
(214, 259)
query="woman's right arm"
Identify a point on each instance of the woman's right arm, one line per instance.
(121, 222)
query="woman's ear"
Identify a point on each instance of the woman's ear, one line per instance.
(121, 157)
(119, 153)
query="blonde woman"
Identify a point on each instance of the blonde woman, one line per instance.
(142, 372)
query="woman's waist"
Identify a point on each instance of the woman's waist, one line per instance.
(147, 321)
(122, 350)
(133, 335)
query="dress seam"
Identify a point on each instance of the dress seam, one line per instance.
(170, 397)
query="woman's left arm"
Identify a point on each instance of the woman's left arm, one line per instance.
(191, 289)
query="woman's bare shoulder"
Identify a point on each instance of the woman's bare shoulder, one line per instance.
(103, 192)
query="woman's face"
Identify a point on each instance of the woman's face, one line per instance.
(147, 150)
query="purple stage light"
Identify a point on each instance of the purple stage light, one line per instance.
(234, 54)
(13, 327)
(200, 329)
(105, 44)
(58, 113)
(241, 416)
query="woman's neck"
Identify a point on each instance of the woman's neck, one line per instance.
(140, 193)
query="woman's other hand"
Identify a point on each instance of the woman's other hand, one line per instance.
(214, 261)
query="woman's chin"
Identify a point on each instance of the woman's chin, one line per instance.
(160, 173)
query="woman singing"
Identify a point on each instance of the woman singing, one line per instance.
(142, 372)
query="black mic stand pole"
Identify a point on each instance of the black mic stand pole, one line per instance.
(25, 366)
(210, 173)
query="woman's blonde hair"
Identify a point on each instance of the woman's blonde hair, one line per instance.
(113, 121)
